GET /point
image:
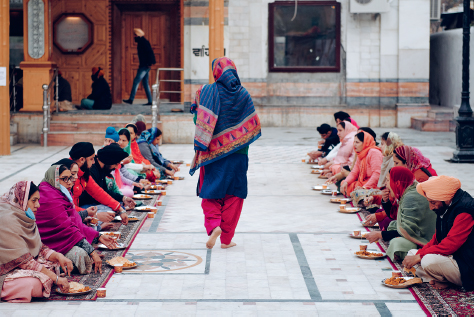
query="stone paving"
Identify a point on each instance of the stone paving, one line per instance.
(293, 253)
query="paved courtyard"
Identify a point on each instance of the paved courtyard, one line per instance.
(293, 254)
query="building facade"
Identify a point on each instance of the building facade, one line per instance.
(374, 66)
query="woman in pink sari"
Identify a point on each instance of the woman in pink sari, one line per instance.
(345, 156)
(28, 268)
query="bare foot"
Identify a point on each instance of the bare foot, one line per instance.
(230, 245)
(438, 285)
(213, 237)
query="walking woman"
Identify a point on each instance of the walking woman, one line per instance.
(226, 124)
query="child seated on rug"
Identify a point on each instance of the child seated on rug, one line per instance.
(415, 224)
(448, 257)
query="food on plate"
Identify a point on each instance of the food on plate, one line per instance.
(115, 235)
(121, 260)
(369, 254)
(132, 219)
(75, 287)
(395, 281)
(412, 270)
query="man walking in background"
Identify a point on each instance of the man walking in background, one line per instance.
(147, 59)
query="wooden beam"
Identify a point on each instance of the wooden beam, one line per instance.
(216, 33)
(4, 90)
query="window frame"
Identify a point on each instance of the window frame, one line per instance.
(303, 69)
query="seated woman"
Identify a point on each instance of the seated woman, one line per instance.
(412, 159)
(366, 171)
(74, 168)
(388, 213)
(28, 268)
(101, 97)
(346, 132)
(148, 144)
(415, 224)
(137, 156)
(127, 181)
(61, 227)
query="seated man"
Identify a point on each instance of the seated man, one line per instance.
(107, 159)
(83, 154)
(328, 142)
(449, 256)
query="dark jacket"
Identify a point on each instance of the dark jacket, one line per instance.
(330, 142)
(464, 256)
(101, 94)
(145, 53)
(98, 175)
(64, 89)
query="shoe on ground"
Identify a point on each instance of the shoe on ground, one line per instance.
(128, 101)
(147, 104)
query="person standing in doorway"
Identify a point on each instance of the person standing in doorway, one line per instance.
(147, 59)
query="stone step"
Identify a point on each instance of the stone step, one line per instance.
(95, 118)
(85, 126)
(432, 125)
(441, 113)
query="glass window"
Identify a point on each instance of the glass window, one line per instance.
(309, 43)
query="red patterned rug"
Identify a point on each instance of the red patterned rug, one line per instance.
(96, 280)
(447, 302)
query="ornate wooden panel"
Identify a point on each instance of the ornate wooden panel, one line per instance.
(76, 68)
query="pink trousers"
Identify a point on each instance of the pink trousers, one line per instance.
(224, 213)
(21, 290)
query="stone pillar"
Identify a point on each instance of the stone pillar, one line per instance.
(216, 33)
(4, 77)
(37, 66)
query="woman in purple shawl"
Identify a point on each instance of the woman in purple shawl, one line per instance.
(60, 225)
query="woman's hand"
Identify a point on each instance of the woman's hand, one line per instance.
(157, 174)
(173, 167)
(170, 173)
(343, 187)
(386, 194)
(139, 185)
(332, 180)
(323, 161)
(144, 181)
(105, 216)
(368, 201)
(63, 284)
(64, 262)
(373, 236)
(371, 220)
(109, 241)
(97, 262)
(127, 160)
(106, 225)
(128, 202)
(91, 211)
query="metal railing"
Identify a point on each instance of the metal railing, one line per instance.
(155, 108)
(47, 91)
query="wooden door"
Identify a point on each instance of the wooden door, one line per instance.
(156, 26)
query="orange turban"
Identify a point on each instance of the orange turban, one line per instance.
(439, 188)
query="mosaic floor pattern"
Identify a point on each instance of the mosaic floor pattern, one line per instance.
(165, 261)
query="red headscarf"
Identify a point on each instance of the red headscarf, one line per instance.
(415, 160)
(400, 179)
(369, 143)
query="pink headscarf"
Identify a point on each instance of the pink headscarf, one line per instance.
(415, 160)
(17, 196)
(346, 151)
